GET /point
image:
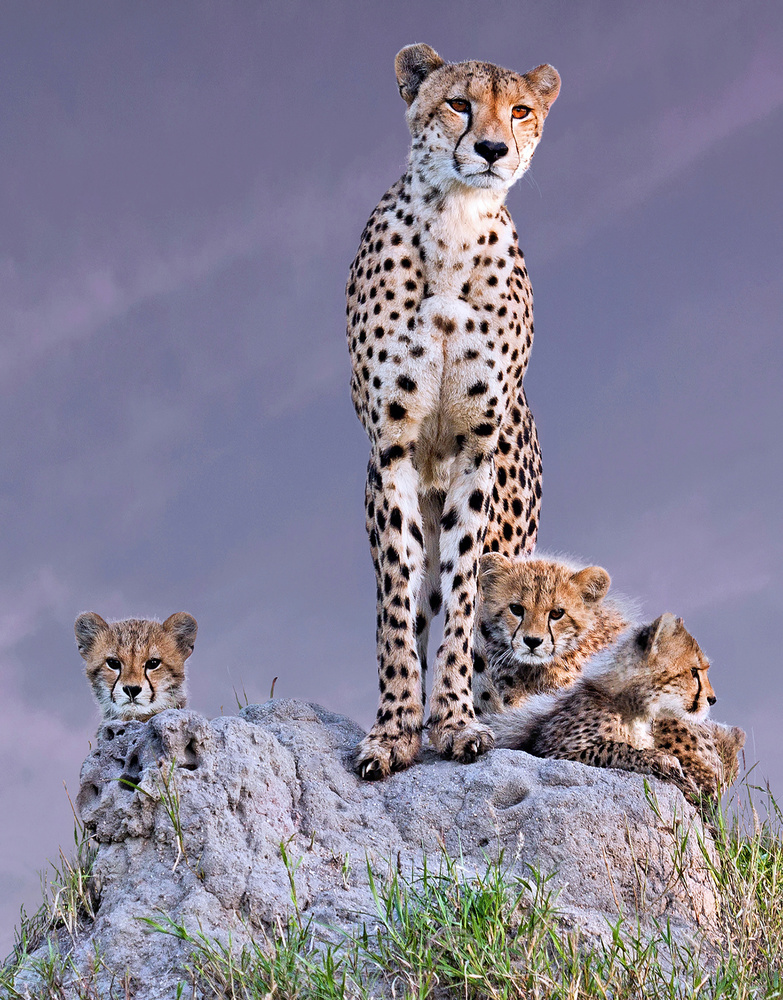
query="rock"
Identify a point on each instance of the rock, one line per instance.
(237, 787)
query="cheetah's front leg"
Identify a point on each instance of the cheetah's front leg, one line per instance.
(396, 542)
(453, 730)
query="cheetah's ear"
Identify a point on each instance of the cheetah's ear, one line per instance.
(184, 628)
(87, 628)
(492, 565)
(545, 80)
(649, 637)
(413, 65)
(593, 583)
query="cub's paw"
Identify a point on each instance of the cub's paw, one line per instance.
(463, 743)
(381, 753)
(666, 765)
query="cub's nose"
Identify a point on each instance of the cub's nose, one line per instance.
(712, 699)
(131, 690)
(532, 642)
(491, 151)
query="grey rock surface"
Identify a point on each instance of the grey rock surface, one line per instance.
(282, 773)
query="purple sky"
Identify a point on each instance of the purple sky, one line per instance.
(184, 186)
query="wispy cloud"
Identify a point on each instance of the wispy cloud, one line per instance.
(632, 165)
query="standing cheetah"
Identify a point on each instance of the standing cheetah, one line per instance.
(440, 327)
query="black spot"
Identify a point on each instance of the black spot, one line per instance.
(479, 665)
(388, 455)
(388, 264)
(395, 519)
(465, 545)
(476, 501)
(477, 389)
(449, 519)
(406, 384)
(397, 412)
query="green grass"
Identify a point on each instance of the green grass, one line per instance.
(440, 932)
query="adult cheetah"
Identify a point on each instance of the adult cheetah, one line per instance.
(440, 327)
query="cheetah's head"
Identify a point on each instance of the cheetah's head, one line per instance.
(534, 610)
(672, 664)
(136, 667)
(473, 124)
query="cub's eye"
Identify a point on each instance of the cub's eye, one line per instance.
(113, 662)
(458, 104)
(520, 112)
(152, 664)
(556, 613)
(517, 609)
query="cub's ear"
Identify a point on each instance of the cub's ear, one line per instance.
(649, 637)
(87, 628)
(593, 583)
(492, 565)
(183, 627)
(545, 80)
(413, 65)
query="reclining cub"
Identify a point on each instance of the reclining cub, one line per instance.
(136, 667)
(538, 622)
(607, 717)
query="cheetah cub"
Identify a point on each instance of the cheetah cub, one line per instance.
(538, 622)
(440, 327)
(606, 717)
(136, 667)
(707, 751)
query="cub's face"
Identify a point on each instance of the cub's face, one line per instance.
(136, 667)
(472, 123)
(534, 610)
(676, 668)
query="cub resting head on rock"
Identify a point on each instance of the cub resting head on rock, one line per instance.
(606, 717)
(136, 667)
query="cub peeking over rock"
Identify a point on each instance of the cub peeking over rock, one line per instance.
(136, 667)
(538, 622)
(607, 717)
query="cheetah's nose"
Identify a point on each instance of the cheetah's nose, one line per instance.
(712, 699)
(131, 690)
(532, 642)
(491, 151)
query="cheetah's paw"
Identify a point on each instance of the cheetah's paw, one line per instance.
(381, 753)
(463, 743)
(667, 766)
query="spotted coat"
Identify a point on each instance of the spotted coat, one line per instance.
(440, 328)
(607, 717)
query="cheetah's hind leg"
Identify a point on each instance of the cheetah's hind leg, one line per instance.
(379, 754)
(464, 743)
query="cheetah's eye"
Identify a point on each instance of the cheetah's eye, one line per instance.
(519, 112)
(517, 609)
(458, 104)
(152, 664)
(113, 662)
(694, 671)
(556, 613)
